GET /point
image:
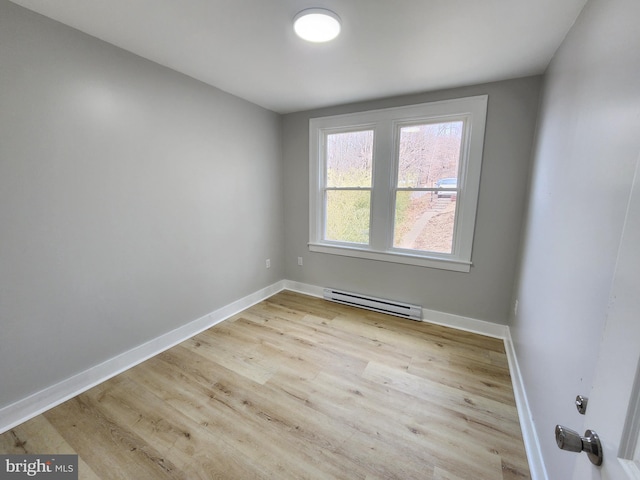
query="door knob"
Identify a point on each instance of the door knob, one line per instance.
(571, 441)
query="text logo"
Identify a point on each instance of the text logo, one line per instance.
(49, 467)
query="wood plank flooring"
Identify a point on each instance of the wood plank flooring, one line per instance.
(297, 388)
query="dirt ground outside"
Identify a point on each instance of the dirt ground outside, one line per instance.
(428, 224)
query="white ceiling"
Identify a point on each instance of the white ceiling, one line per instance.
(386, 48)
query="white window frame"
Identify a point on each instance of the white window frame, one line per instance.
(386, 124)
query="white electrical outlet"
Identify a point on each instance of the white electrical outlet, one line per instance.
(268, 263)
(300, 261)
(515, 307)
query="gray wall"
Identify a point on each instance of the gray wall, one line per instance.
(485, 292)
(133, 200)
(586, 151)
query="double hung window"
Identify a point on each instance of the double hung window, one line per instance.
(398, 184)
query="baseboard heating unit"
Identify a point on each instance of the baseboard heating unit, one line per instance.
(404, 310)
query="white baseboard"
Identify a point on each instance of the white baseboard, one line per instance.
(305, 288)
(27, 408)
(531, 443)
(431, 316)
(467, 324)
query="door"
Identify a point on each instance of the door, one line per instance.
(613, 410)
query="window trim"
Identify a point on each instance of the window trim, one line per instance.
(386, 124)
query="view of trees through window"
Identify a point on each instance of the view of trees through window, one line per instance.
(348, 186)
(428, 159)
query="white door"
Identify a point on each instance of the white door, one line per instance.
(613, 410)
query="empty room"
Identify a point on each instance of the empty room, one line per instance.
(313, 240)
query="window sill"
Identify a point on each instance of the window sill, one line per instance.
(394, 257)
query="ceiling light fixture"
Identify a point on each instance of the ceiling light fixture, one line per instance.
(317, 25)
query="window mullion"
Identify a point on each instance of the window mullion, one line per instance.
(382, 195)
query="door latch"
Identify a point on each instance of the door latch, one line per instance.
(571, 441)
(581, 404)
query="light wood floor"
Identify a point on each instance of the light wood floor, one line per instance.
(298, 388)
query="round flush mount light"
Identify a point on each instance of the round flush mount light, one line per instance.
(317, 25)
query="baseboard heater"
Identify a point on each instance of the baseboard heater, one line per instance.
(404, 310)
